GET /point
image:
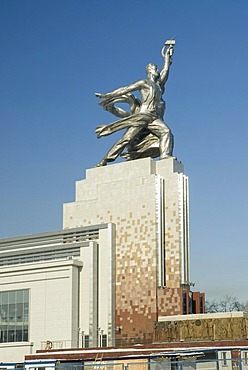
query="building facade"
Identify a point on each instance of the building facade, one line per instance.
(57, 290)
(148, 201)
(120, 262)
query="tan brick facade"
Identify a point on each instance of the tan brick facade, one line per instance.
(148, 202)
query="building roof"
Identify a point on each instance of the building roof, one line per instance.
(177, 349)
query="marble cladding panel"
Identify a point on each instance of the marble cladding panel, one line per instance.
(122, 171)
(172, 239)
(125, 194)
(136, 274)
(169, 301)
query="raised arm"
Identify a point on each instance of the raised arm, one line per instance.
(164, 74)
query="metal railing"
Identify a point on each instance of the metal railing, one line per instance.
(56, 344)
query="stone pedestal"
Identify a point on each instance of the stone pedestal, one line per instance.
(147, 200)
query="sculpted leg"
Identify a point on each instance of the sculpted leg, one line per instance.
(119, 146)
(162, 131)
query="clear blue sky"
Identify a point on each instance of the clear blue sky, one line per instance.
(56, 53)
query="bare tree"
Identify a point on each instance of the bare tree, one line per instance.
(228, 303)
(246, 307)
(211, 306)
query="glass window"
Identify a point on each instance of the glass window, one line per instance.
(201, 304)
(245, 356)
(14, 316)
(223, 354)
(104, 340)
(184, 303)
(86, 341)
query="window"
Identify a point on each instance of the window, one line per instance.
(201, 304)
(85, 340)
(223, 355)
(104, 340)
(245, 358)
(14, 316)
(185, 304)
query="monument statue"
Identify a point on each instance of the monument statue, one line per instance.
(146, 135)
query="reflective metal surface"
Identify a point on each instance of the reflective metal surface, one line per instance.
(146, 135)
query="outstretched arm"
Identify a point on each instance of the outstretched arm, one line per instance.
(122, 90)
(164, 74)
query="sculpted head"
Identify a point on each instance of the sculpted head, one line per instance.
(152, 70)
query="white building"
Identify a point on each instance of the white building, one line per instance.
(107, 282)
(57, 289)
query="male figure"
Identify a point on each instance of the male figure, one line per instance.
(148, 115)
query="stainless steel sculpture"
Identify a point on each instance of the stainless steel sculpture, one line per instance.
(146, 134)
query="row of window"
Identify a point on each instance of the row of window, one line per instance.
(14, 319)
(102, 340)
(14, 316)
